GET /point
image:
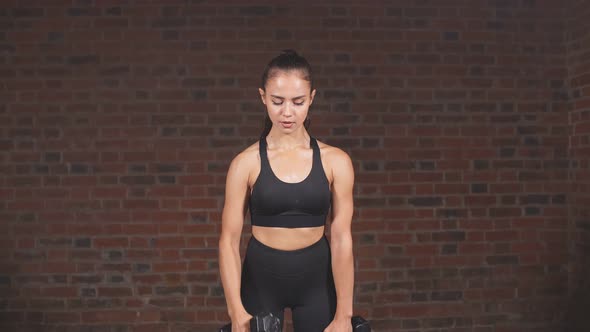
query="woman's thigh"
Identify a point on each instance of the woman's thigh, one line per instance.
(301, 279)
(317, 312)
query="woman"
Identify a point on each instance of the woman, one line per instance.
(289, 181)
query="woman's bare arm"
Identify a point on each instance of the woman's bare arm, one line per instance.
(232, 221)
(340, 232)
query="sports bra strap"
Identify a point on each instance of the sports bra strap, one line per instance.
(317, 160)
(264, 163)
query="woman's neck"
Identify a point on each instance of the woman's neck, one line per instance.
(282, 141)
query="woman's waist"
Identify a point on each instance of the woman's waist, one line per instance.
(288, 239)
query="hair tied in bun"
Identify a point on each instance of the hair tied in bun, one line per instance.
(288, 52)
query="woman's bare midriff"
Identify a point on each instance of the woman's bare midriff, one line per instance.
(288, 238)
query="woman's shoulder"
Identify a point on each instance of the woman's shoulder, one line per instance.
(337, 161)
(245, 159)
(331, 152)
(246, 156)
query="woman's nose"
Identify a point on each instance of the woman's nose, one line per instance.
(287, 110)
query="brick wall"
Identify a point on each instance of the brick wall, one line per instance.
(118, 122)
(578, 52)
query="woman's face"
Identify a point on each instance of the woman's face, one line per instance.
(287, 99)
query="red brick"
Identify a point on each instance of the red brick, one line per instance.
(110, 242)
(169, 267)
(111, 316)
(169, 242)
(114, 291)
(431, 100)
(133, 229)
(419, 250)
(62, 317)
(59, 292)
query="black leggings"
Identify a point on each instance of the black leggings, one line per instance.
(302, 280)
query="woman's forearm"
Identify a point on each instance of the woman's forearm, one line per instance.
(230, 270)
(343, 271)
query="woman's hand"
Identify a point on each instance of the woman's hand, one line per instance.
(241, 322)
(339, 324)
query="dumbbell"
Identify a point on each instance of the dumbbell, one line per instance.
(267, 322)
(359, 324)
(263, 322)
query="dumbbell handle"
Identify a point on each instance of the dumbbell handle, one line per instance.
(257, 323)
(359, 324)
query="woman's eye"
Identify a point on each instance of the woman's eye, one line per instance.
(280, 103)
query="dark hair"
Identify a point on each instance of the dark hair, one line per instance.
(286, 61)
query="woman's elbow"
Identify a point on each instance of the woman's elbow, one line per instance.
(341, 237)
(229, 239)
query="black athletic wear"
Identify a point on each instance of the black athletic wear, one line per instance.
(275, 203)
(302, 280)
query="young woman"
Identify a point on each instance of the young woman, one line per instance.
(289, 181)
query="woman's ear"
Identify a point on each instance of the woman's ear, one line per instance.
(262, 95)
(312, 96)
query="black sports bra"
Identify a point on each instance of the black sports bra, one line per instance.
(275, 203)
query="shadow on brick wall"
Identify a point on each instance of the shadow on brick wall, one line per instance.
(577, 316)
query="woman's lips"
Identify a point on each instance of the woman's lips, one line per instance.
(286, 124)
